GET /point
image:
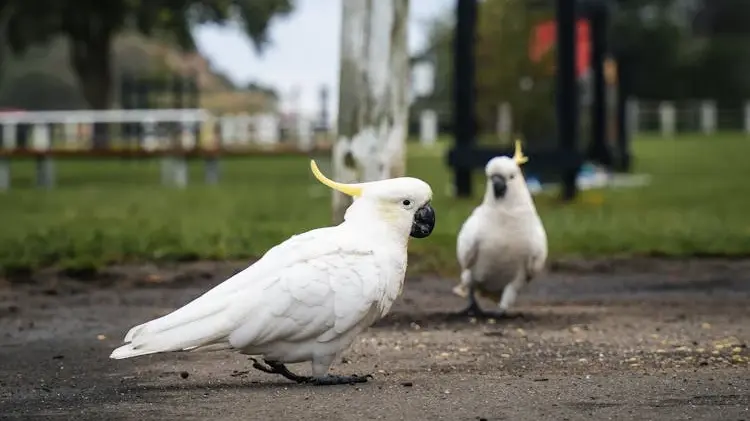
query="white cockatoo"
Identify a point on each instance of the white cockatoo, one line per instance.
(502, 245)
(307, 298)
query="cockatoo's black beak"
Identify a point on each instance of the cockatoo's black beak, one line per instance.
(424, 222)
(499, 186)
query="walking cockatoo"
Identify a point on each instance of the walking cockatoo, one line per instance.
(307, 298)
(502, 245)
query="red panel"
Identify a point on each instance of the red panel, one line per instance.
(545, 36)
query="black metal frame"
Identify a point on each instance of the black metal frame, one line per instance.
(566, 160)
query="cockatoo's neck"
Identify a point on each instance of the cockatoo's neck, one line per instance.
(515, 200)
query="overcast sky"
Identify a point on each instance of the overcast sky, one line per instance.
(304, 50)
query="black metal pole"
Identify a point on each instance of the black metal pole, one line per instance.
(599, 149)
(464, 126)
(623, 134)
(567, 92)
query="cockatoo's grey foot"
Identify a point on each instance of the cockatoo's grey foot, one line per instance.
(473, 310)
(330, 380)
(275, 367)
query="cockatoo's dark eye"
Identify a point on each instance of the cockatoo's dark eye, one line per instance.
(406, 202)
(512, 176)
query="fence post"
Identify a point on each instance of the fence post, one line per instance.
(150, 142)
(4, 173)
(227, 129)
(179, 171)
(45, 166)
(428, 123)
(70, 127)
(667, 118)
(242, 128)
(174, 170)
(633, 116)
(187, 135)
(708, 117)
(305, 139)
(210, 141)
(268, 129)
(9, 143)
(211, 169)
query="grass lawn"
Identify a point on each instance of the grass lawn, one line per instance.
(698, 203)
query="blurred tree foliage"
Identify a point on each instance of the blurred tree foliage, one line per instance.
(89, 27)
(675, 50)
(506, 73)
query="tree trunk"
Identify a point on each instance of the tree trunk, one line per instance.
(373, 94)
(91, 60)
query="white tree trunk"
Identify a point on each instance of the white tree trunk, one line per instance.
(373, 94)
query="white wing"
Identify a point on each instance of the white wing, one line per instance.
(466, 244)
(539, 252)
(315, 300)
(317, 283)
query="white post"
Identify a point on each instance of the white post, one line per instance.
(667, 118)
(4, 173)
(150, 142)
(70, 134)
(208, 138)
(304, 133)
(242, 126)
(9, 136)
(187, 135)
(633, 119)
(504, 120)
(9, 143)
(40, 139)
(428, 127)
(708, 117)
(373, 94)
(267, 128)
(45, 167)
(227, 129)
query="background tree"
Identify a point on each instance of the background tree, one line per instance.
(91, 26)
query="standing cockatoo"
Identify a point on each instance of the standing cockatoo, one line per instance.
(502, 246)
(307, 298)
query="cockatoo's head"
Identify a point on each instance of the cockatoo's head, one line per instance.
(504, 176)
(402, 202)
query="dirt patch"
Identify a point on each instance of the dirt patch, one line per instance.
(641, 339)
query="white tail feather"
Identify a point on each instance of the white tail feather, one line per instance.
(127, 351)
(199, 323)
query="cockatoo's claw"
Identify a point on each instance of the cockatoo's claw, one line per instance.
(279, 368)
(473, 310)
(261, 367)
(331, 380)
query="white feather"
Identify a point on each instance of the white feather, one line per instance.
(503, 241)
(303, 289)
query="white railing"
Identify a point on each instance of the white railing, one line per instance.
(665, 118)
(234, 129)
(185, 129)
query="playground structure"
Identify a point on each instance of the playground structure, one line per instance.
(580, 36)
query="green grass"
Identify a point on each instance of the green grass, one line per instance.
(115, 211)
